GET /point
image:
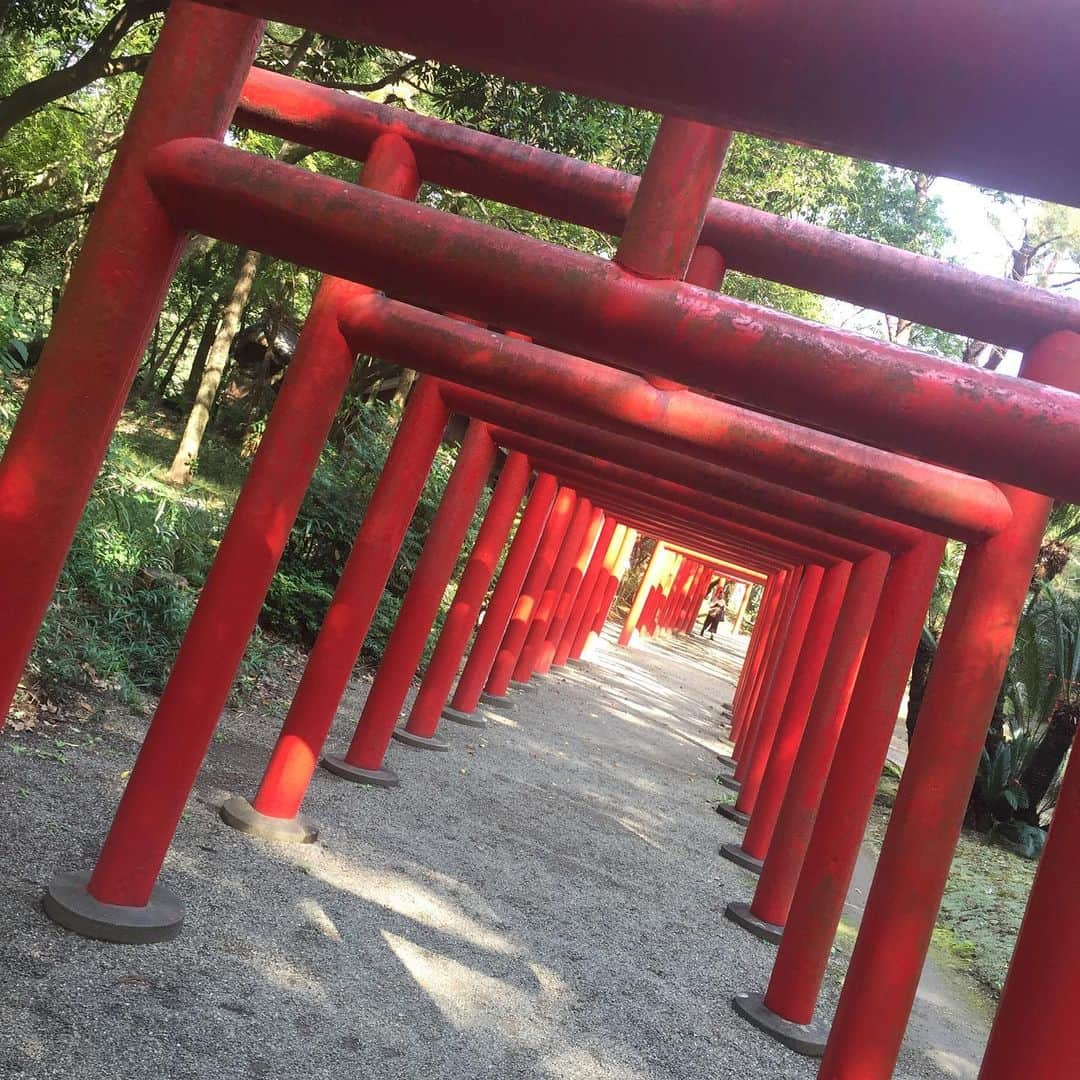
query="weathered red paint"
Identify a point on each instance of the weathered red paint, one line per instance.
(504, 598)
(568, 598)
(529, 659)
(475, 578)
(763, 789)
(862, 272)
(920, 494)
(427, 586)
(609, 586)
(965, 417)
(742, 494)
(925, 823)
(856, 89)
(103, 324)
(669, 207)
(532, 592)
(784, 832)
(607, 544)
(849, 792)
(254, 539)
(345, 626)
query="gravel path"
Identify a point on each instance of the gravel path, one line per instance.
(544, 901)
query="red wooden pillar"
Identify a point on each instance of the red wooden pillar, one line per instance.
(341, 637)
(925, 824)
(750, 659)
(794, 645)
(752, 665)
(460, 620)
(607, 544)
(770, 617)
(689, 593)
(678, 183)
(764, 803)
(651, 619)
(693, 608)
(532, 591)
(787, 842)
(680, 590)
(503, 600)
(1035, 1032)
(834, 846)
(100, 905)
(666, 598)
(536, 638)
(568, 597)
(769, 670)
(641, 597)
(258, 530)
(607, 597)
(363, 761)
(100, 331)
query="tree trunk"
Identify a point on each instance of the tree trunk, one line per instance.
(156, 358)
(405, 384)
(190, 442)
(174, 360)
(202, 351)
(1042, 770)
(920, 673)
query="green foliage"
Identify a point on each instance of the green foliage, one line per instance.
(129, 585)
(1044, 667)
(127, 589)
(998, 780)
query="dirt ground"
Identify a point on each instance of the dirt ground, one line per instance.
(543, 901)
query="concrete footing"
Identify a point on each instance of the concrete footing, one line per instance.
(467, 718)
(731, 782)
(728, 811)
(239, 814)
(419, 742)
(734, 853)
(740, 914)
(502, 701)
(808, 1039)
(383, 778)
(67, 902)
(521, 687)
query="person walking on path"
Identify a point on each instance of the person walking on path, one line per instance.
(714, 616)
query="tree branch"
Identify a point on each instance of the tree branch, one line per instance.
(391, 77)
(39, 223)
(94, 64)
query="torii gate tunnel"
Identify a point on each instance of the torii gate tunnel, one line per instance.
(624, 397)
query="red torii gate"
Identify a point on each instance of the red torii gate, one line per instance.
(172, 173)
